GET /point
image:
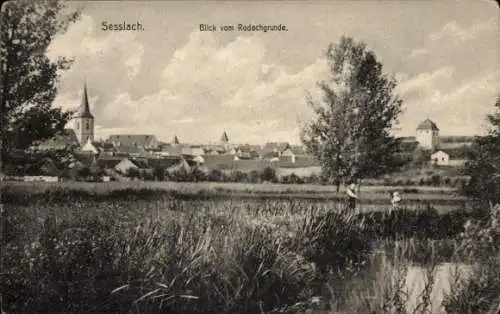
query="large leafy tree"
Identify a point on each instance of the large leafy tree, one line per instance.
(484, 164)
(27, 76)
(351, 132)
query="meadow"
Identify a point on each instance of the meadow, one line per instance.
(144, 250)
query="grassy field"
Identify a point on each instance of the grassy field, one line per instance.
(150, 251)
(372, 198)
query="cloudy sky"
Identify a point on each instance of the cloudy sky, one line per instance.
(172, 79)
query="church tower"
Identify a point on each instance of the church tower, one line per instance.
(428, 135)
(84, 120)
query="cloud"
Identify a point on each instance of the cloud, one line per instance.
(455, 31)
(424, 80)
(207, 88)
(108, 63)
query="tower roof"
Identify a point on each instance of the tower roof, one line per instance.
(84, 109)
(427, 124)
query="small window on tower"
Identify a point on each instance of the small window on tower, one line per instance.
(78, 125)
(88, 125)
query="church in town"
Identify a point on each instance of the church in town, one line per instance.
(445, 150)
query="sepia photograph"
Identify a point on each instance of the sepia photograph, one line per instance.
(323, 157)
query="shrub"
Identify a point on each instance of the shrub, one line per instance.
(216, 176)
(480, 243)
(435, 180)
(254, 176)
(268, 174)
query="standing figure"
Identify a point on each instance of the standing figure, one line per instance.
(395, 200)
(351, 197)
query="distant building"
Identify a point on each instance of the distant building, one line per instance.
(67, 139)
(83, 120)
(427, 135)
(291, 154)
(451, 157)
(274, 149)
(146, 141)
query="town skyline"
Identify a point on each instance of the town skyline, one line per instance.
(171, 79)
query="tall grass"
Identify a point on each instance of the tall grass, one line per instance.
(70, 253)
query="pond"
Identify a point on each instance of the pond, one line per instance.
(384, 276)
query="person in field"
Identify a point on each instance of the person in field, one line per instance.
(352, 197)
(395, 201)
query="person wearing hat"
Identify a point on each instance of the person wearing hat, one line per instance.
(351, 196)
(395, 200)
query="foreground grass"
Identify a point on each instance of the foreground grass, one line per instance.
(69, 253)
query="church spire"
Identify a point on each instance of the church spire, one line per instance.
(224, 138)
(84, 110)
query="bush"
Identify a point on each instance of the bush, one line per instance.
(254, 176)
(238, 176)
(292, 179)
(269, 175)
(435, 180)
(479, 243)
(216, 176)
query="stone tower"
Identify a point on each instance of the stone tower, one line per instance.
(83, 120)
(428, 135)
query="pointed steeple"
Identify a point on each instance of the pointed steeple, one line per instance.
(224, 138)
(84, 110)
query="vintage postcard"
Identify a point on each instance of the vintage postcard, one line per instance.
(250, 157)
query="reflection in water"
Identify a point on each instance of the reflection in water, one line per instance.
(444, 276)
(385, 275)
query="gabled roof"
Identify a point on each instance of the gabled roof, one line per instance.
(176, 150)
(84, 109)
(140, 163)
(132, 139)
(108, 162)
(164, 162)
(66, 138)
(427, 124)
(129, 150)
(297, 150)
(275, 146)
(85, 159)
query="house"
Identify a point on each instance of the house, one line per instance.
(163, 162)
(440, 158)
(274, 149)
(175, 150)
(44, 167)
(214, 149)
(427, 135)
(108, 162)
(66, 139)
(196, 150)
(146, 141)
(451, 157)
(90, 147)
(99, 148)
(126, 164)
(181, 165)
(291, 153)
(248, 151)
(130, 151)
